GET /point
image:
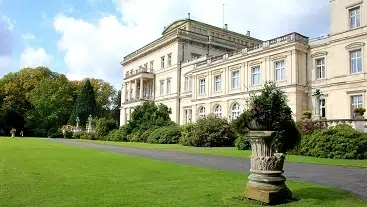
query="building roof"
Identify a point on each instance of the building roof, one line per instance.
(179, 22)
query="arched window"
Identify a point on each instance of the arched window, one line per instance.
(218, 111)
(236, 111)
(201, 112)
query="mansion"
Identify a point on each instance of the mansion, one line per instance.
(198, 69)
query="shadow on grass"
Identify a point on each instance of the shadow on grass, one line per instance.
(303, 195)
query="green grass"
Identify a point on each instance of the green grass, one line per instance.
(44, 173)
(233, 152)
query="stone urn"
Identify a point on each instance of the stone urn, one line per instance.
(12, 132)
(266, 182)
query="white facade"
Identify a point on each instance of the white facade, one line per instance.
(197, 69)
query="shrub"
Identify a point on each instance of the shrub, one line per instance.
(165, 135)
(242, 143)
(210, 131)
(68, 134)
(269, 111)
(104, 126)
(117, 135)
(136, 137)
(359, 111)
(90, 136)
(340, 142)
(55, 133)
(186, 134)
(78, 135)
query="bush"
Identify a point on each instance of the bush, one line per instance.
(55, 133)
(68, 134)
(269, 111)
(340, 142)
(104, 126)
(210, 131)
(242, 143)
(117, 135)
(90, 136)
(78, 135)
(186, 134)
(136, 137)
(165, 135)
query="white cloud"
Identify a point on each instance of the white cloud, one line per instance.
(32, 57)
(28, 36)
(95, 49)
(9, 22)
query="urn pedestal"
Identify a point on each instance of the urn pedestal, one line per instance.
(266, 182)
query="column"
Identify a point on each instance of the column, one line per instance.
(153, 85)
(129, 92)
(141, 88)
(125, 95)
(135, 88)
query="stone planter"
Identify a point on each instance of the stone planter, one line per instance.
(266, 183)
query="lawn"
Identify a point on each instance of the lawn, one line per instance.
(37, 172)
(233, 152)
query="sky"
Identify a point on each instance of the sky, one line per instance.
(89, 38)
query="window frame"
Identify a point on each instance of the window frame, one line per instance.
(169, 59)
(281, 69)
(237, 78)
(322, 106)
(162, 62)
(202, 86)
(151, 65)
(351, 59)
(217, 83)
(235, 112)
(321, 67)
(168, 86)
(201, 112)
(257, 73)
(356, 105)
(218, 112)
(161, 87)
(356, 17)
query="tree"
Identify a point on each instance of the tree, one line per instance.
(84, 105)
(52, 102)
(104, 93)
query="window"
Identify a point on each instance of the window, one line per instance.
(355, 18)
(256, 75)
(320, 68)
(151, 64)
(161, 89)
(357, 102)
(146, 65)
(145, 90)
(235, 111)
(201, 112)
(202, 86)
(322, 108)
(162, 62)
(168, 86)
(151, 91)
(235, 79)
(218, 111)
(279, 71)
(187, 84)
(169, 57)
(356, 61)
(188, 115)
(218, 83)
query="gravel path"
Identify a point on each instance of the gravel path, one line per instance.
(352, 180)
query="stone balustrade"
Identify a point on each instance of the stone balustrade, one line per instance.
(137, 98)
(357, 124)
(131, 73)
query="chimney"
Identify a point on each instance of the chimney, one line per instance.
(248, 33)
(188, 15)
(226, 26)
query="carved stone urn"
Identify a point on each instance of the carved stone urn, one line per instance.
(266, 182)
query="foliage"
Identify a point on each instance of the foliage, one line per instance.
(88, 135)
(165, 135)
(68, 134)
(104, 126)
(117, 135)
(147, 116)
(270, 110)
(84, 105)
(307, 127)
(78, 134)
(186, 134)
(307, 113)
(242, 143)
(359, 110)
(340, 142)
(210, 131)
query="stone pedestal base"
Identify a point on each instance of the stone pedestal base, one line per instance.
(267, 195)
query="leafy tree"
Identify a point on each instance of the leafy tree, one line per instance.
(51, 102)
(84, 105)
(104, 126)
(148, 115)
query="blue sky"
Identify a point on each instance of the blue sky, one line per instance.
(88, 38)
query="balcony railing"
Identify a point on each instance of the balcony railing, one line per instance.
(137, 98)
(292, 37)
(131, 73)
(358, 124)
(320, 38)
